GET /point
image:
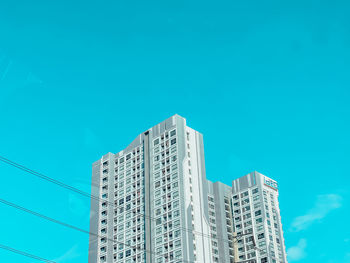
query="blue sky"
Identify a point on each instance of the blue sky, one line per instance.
(266, 82)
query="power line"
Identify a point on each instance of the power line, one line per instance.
(47, 178)
(64, 185)
(76, 190)
(82, 230)
(25, 254)
(241, 236)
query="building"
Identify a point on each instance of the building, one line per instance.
(155, 205)
(256, 217)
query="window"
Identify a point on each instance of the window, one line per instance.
(172, 133)
(262, 243)
(259, 220)
(174, 176)
(178, 254)
(256, 198)
(257, 206)
(174, 167)
(247, 208)
(248, 239)
(156, 141)
(260, 236)
(176, 223)
(159, 240)
(173, 141)
(244, 194)
(175, 194)
(177, 243)
(245, 201)
(177, 233)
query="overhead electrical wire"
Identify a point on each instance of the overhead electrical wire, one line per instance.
(76, 190)
(8, 203)
(25, 254)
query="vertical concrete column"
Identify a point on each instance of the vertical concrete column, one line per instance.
(148, 214)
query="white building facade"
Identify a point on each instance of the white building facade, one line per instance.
(155, 205)
(257, 219)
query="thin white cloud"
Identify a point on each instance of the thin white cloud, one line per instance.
(323, 206)
(33, 79)
(297, 252)
(68, 255)
(347, 258)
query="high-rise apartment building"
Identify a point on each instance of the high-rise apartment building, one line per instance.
(256, 218)
(156, 205)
